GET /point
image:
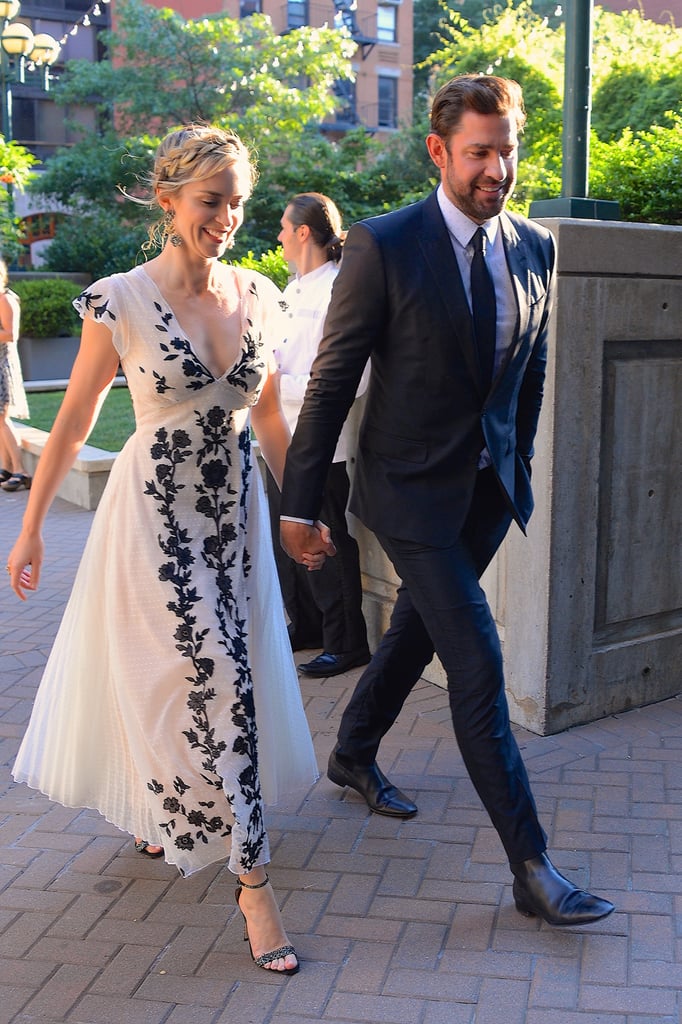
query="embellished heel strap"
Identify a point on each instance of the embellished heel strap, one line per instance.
(245, 885)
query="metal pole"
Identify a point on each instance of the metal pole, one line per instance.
(577, 98)
(6, 97)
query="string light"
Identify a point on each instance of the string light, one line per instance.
(95, 11)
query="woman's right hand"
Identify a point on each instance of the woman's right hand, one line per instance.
(23, 564)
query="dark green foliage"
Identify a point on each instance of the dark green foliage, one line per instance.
(103, 231)
(635, 97)
(95, 245)
(271, 263)
(362, 175)
(642, 171)
(46, 307)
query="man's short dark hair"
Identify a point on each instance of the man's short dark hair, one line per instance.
(482, 94)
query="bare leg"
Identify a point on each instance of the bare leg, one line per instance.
(10, 452)
(257, 902)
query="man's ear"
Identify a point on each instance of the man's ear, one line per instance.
(437, 149)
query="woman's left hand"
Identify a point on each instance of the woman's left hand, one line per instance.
(313, 561)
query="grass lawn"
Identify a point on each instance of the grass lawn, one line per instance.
(113, 428)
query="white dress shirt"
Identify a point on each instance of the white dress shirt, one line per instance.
(462, 230)
(305, 303)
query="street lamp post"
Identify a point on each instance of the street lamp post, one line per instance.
(21, 52)
(574, 201)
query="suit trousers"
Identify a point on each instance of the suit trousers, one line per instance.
(326, 604)
(441, 607)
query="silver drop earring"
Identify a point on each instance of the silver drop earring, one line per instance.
(168, 225)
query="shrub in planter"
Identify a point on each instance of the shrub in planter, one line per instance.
(46, 307)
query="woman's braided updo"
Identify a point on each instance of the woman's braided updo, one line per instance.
(192, 153)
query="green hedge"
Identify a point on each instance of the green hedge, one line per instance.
(46, 307)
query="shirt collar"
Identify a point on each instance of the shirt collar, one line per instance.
(318, 272)
(461, 227)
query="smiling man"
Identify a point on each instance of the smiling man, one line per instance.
(451, 299)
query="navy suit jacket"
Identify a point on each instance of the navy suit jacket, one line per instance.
(399, 299)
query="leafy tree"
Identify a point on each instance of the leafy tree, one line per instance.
(96, 245)
(219, 70)
(629, 39)
(432, 17)
(236, 73)
(362, 175)
(637, 73)
(641, 171)
(15, 172)
(635, 97)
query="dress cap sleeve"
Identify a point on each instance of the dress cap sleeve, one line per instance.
(101, 302)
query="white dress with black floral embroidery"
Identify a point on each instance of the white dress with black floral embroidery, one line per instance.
(170, 701)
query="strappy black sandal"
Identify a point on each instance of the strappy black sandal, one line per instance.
(142, 846)
(4, 475)
(275, 954)
(16, 481)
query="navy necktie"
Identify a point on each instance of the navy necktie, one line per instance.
(483, 307)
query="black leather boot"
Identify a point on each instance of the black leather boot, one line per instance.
(370, 782)
(541, 891)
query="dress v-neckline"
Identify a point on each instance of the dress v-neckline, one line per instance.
(186, 335)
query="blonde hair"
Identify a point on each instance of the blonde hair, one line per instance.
(191, 153)
(4, 275)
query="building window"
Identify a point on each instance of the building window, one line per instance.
(388, 102)
(387, 23)
(24, 119)
(297, 13)
(347, 111)
(247, 7)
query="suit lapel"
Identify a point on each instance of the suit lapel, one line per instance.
(436, 247)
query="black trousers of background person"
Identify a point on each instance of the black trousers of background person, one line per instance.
(326, 605)
(441, 606)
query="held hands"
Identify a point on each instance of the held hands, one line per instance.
(308, 545)
(23, 565)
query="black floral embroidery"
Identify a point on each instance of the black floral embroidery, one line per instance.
(210, 463)
(175, 347)
(89, 300)
(217, 502)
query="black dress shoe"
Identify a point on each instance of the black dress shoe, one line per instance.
(370, 782)
(334, 664)
(540, 891)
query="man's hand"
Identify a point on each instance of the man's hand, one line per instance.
(308, 545)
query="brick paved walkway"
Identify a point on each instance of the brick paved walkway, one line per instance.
(396, 922)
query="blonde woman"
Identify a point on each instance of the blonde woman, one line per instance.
(173, 619)
(12, 393)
